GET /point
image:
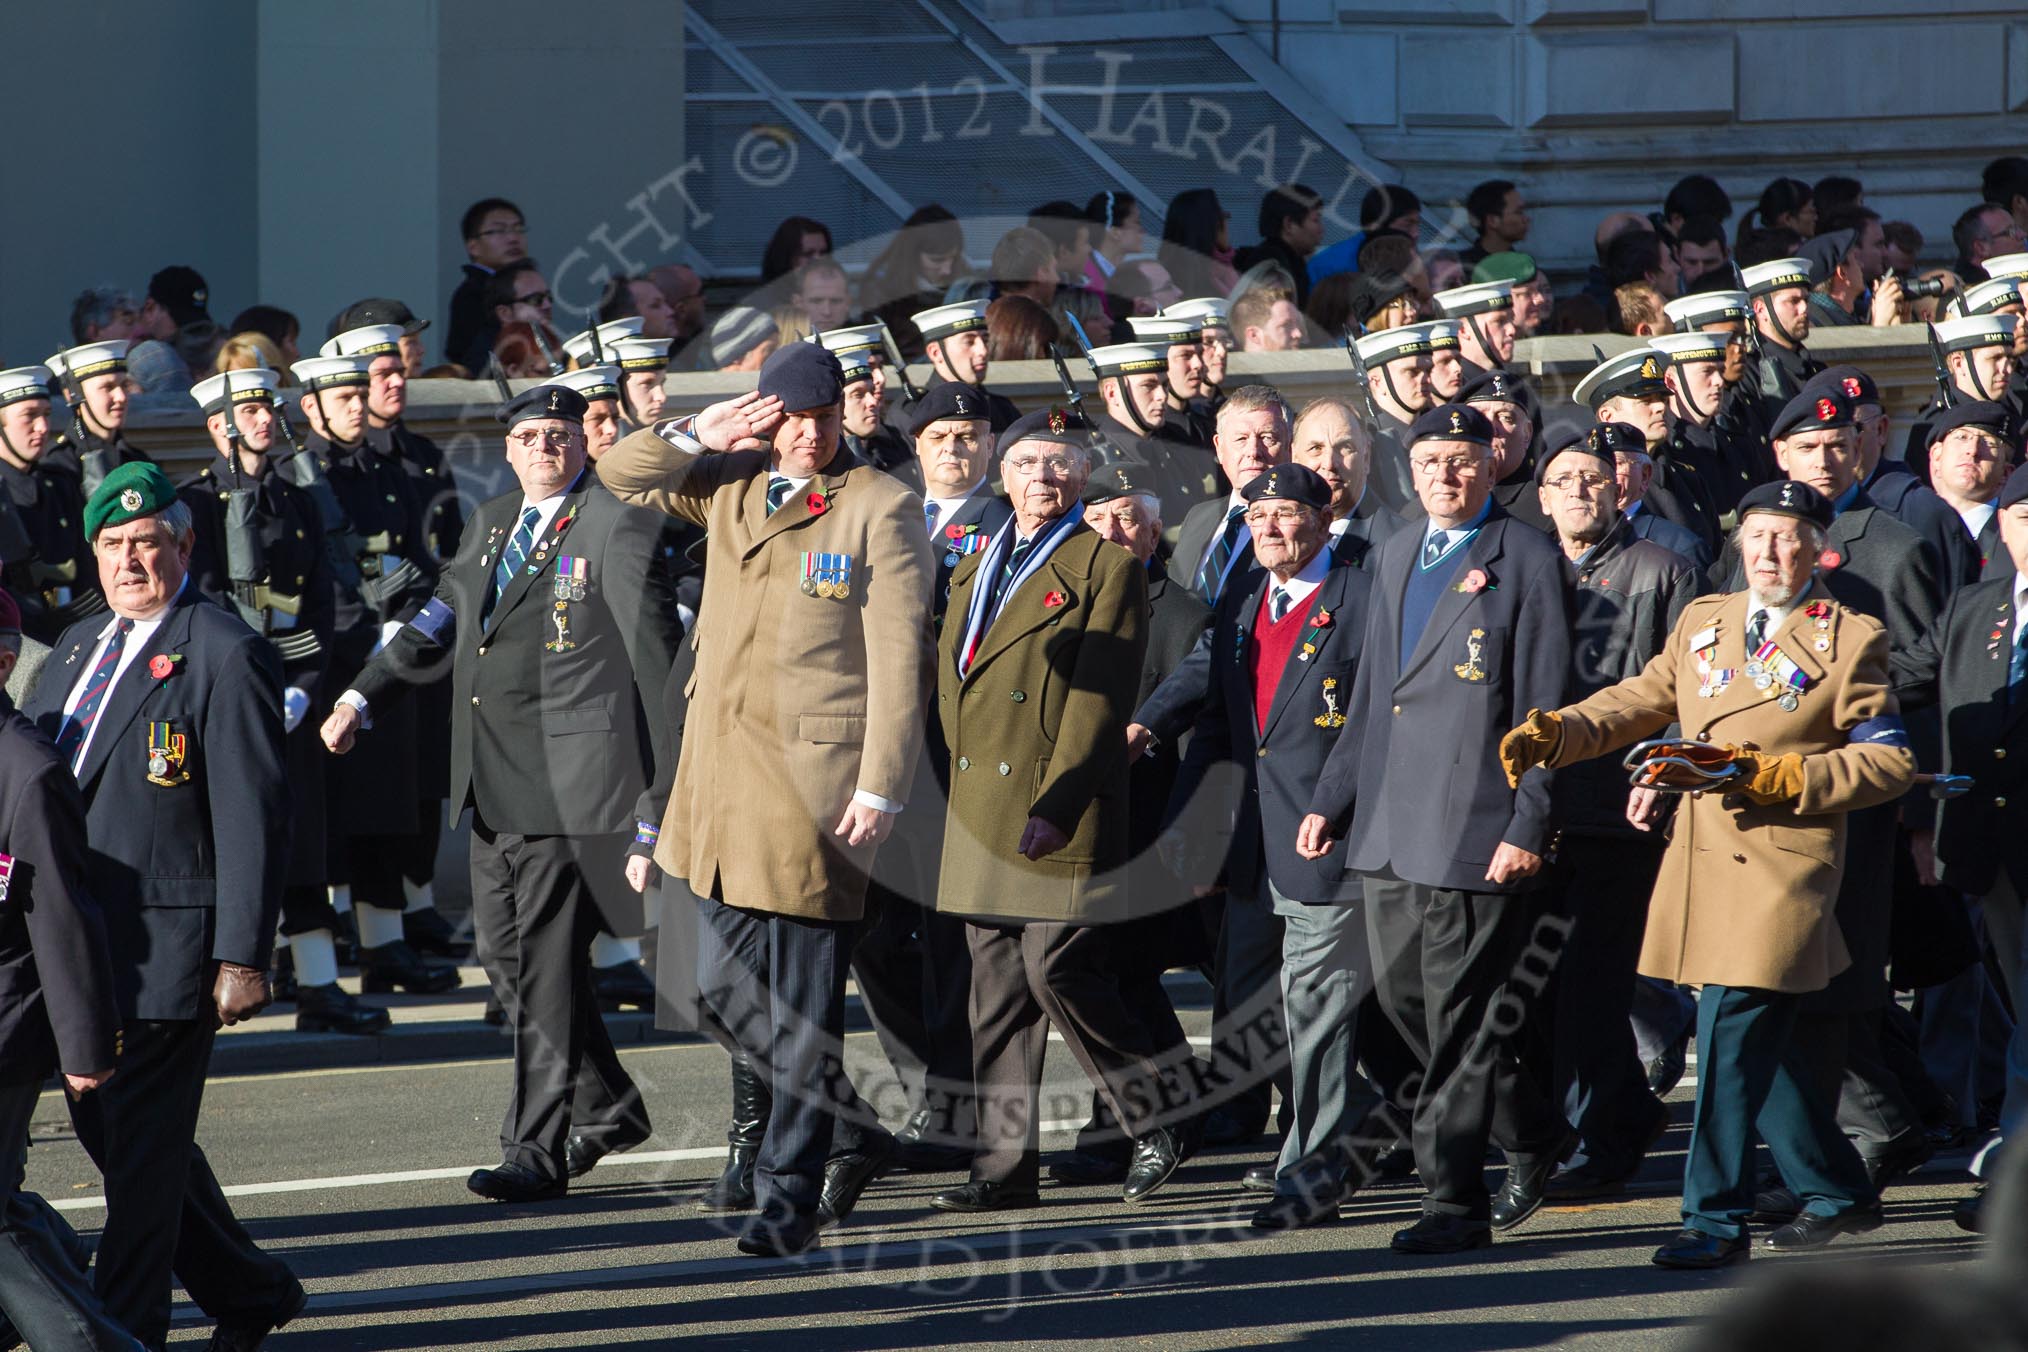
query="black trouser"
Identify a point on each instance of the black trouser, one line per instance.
(419, 851)
(164, 1209)
(777, 984)
(1445, 961)
(914, 979)
(1584, 1049)
(533, 919)
(1843, 1053)
(1026, 979)
(44, 1294)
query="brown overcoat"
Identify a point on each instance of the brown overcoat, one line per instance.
(1038, 728)
(1746, 893)
(799, 699)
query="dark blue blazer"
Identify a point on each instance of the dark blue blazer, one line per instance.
(1420, 758)
(48, 920)
(1278, 765)
(189, 874)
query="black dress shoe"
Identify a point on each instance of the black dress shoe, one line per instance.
(513, 1183)
(1156, 1156)
(779, 1235)
(1230, 1125)
(848, 1175)
(581, 1152)
(1900, 1159)
(333, 1009)
(1439, 1233)
(495, 1013)
(984, 1195)
(1521, 1195)
(245, 1336)
(1083, 1169)
(1260, 1178)
(426, 931)
(1293, 1211)
(282, 980)
(733, 1190)
(623, 986)
(1808, 1231)
(1774, 1206)
(396, 965)
(1666, 1070)
(1694, 1249)
(1583, 1183)
(1965, 1215)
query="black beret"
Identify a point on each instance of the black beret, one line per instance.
(1585, 441)
(1452, 422)
(1495, 386)
(2015, 489)
(544, 401)
(1289, 483)
(1120, 481)
(1973, 413)
(1787, 497)
(952, 399)
(1813, 410)
(803, 376)
(1850, 381)
(1060, 426)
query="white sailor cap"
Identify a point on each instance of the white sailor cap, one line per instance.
(1637, 372)
(1206, 312)
(1781, 274)
(368, 340)
(91, 359)
(331, 372)
(638, 354)
(578, 347)
(593, 382)
(21, 383)
(1442, 333)
(1476, 299)
(1708, 307)
(855, 365)
(1127, 359)
(859, 338)
(1691, 345)
(1163, 331)
(1986, 297)
(1961, 335)
(1386, 345)
(250, 385)
(944, 320)
(2006, 265)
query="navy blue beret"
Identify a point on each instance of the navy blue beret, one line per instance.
(1818, 407)
(952, 399)
(544, 401)
(803, 376)
(2015, 489)
(1061, 426)
(1599, 443)
(1973, 413)
(1850, 381)
(1289, 483)
(1452, 422)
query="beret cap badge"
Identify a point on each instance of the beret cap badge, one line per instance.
(1826, 409)
(130, 500)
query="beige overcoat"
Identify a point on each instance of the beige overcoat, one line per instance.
(1746, 894)
(799, 699)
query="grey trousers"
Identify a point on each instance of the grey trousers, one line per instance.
(1326, 972)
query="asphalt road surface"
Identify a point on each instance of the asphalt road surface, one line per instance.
(355, 1174)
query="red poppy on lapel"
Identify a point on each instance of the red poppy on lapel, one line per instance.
(818, 503)
(1321, 620)
(163, 665)
(1054, 599)
(1474, 581)
(1830, 558)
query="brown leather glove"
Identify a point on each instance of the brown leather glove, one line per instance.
(239, 992)
(1769, 779)
(1534, 743)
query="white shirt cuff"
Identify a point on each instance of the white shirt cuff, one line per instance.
(358, 701)
(876, 802)
(681, 433)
